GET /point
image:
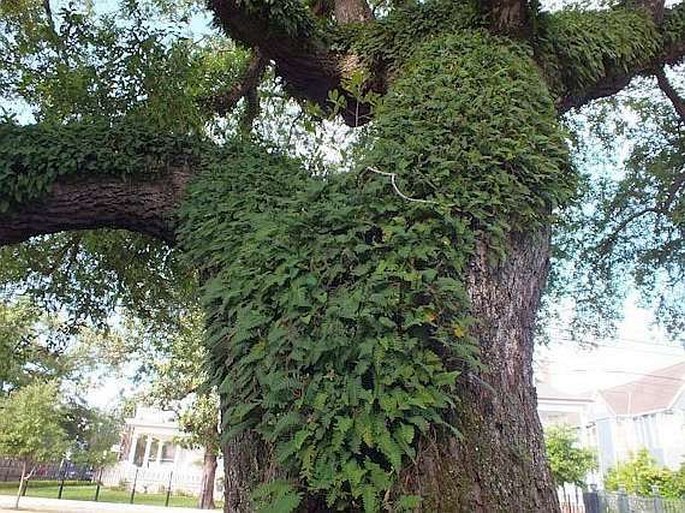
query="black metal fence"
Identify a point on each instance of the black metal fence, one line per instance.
(10, 470)
(620, 502)
(160, 487)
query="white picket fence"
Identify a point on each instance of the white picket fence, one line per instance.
(571, 499)
(156, 479)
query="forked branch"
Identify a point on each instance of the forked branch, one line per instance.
(226, 101)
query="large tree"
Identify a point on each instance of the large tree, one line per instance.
(370, 328)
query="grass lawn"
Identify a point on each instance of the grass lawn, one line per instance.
(79, 491)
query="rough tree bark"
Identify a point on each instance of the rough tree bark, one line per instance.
(209, 463)
(247, 460)
(499, 464)
(142, 206)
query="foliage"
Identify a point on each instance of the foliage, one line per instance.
(179, 382)
(199, 422)
(29, 347)
(640, 473)
(80, 276)
(393, 38)
(517, 169)
(576, 48)
(32, 157)
(76, 272)
(373, 390)
(78, 63)
(31, 424)
(92, 433)
(627, 229)
(289, 16)
(276, 497)
(568, 462)
(33, 356)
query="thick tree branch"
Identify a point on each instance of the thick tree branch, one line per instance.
(310, 68)
(673, 52)
(104, 202)
(611, 85)
(305, 63)
(607, 87)
(671, 93)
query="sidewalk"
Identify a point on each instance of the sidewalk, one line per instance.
(35, 504)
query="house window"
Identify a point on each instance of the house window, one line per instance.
(154, 449)
(139, 454)
(168, 452)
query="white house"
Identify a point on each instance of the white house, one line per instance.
(151, 456)
(558, 407)
(151, 439)
(648, 412)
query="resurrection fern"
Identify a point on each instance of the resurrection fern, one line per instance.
(470, 124)
(576, 49)
(338, 314)
(33, 157)
(390, 40)
(334, 313)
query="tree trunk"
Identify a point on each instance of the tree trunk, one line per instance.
(247, 461)
(21, 484)
(498, 465)
(206, 500)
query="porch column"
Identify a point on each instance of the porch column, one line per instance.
(146, 458)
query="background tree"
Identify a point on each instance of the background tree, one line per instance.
(179, 382)
(31, 428)
(37, 349)
(568, 462)
(29, 347)
(91, 433)
(639, 474)
(626, 232)
(369, 325)
(200, 423)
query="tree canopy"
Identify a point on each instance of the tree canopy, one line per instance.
(31, 424)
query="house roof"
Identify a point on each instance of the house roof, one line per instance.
(545, 391)
(653, 392)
